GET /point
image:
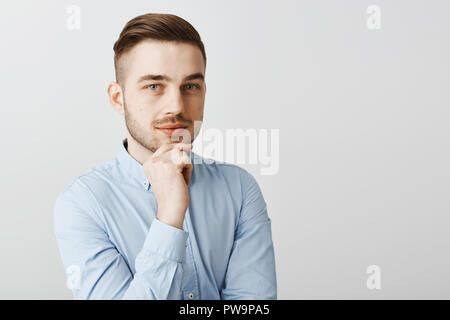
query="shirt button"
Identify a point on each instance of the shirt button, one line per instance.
(191, 295)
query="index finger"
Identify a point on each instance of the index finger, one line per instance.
(169, 146)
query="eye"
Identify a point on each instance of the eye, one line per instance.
(153, 86)
(192, 86)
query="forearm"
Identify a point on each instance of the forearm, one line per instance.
(159, 264)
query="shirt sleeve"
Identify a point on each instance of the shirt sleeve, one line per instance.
(251, 272)
(96, 269)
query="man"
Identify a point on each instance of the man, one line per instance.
(155, 222)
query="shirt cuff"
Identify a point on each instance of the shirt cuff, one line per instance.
(166, 240)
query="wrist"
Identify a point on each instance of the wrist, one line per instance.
(176, 223)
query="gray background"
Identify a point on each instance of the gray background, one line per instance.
(363, 118)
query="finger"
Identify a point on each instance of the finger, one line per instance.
(179, 157)
(169, 146)
(183, 146)
(178, 153)
(163, 148)
(187, 173)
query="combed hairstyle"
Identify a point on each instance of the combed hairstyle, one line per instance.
(157, 26)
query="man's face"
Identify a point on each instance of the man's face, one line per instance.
(163, 85)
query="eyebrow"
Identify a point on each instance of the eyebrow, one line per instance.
(193, 76)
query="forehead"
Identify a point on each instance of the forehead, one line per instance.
(174, 59)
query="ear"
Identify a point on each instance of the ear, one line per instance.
(115, 95)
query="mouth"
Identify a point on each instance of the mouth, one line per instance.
(172, 129)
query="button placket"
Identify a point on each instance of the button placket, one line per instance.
(191, 283)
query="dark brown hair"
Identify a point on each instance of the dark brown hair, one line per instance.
(158, 26)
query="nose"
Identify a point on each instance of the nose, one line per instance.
(174, 104)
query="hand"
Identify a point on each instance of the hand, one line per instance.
(169, 172)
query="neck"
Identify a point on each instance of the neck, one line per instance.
(137, 151)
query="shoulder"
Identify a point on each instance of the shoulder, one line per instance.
(78, 200)
(81, 187)
(95, 181)
(236, 177)
(244, 189)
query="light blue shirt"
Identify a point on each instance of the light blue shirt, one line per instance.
(113, 247)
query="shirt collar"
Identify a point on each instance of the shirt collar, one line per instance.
(131, 166)
(134, 169)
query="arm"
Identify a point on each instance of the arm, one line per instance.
(251, 268)
(104, 274)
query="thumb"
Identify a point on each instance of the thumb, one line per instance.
(187, 173)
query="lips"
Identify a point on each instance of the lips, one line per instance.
(171, 129)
